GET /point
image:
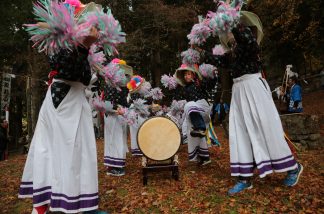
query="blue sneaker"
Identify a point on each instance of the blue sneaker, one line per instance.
(293, 176)
(239, 187)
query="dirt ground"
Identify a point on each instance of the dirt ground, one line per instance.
(199, 190)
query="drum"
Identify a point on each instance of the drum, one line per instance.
(159, 138)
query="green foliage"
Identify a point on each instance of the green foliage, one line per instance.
(293, 32)
(13, 39)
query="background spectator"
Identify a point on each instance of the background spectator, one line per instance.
(3, 139)
(221, 109)
(294, 96)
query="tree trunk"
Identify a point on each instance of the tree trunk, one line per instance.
(36, 90)
(15, 129)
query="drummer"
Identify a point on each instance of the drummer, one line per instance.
(138, 90)
(196, 111)
(141, 97)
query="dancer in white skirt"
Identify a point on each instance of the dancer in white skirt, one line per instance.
(115, 133)
(61, 168)
(256, 135)
(196, 111)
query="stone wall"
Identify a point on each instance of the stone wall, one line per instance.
(303, 130)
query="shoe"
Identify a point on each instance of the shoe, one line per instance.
(205, 162)
(198, 133)
(293, 176)
(239, 187)
(116, 172)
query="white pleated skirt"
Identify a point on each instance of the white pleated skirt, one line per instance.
(256, 135)
(115, 135)
(61, 167)
(197, 147)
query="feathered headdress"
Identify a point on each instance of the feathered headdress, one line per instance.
(56, 27)
(208, 71)
(199, 33)
(102, 106)
(190, 57)
(115, 73)
(156, 94)
(96, 59)
(140, 107)
(169, 82)
(110, 32)
(224, 19)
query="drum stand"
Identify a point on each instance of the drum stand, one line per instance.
(157, 166)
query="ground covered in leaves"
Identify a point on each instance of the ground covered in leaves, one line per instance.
(199, 190)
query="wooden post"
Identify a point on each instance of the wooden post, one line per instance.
(29, 115)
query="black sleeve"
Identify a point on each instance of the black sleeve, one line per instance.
(245, 39)
(72, 65)
(218, 61)
(209, 84)
(178, 93)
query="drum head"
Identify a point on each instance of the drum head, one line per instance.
(159, 138)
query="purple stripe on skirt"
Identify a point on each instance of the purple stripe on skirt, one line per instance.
(241, 170)
(107, 157)
(242, 164)
(203, 149)
(192, 156)
(203, 152)
(284, 165)
(279, 166)
(273, 161)
(267, 161)
(194, 151)
(75, 197)
(26, 183)
(195, 110)
(115, 163)
(41, 189)
(46, 196)
(57, 203)
(25, 190)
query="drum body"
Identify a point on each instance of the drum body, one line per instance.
(159, 138)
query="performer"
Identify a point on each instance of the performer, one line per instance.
(221, 109)
(294, 96)
(61, 167)
(255, 132)
(175, 111)
(115, 132)
(196, 111)
(61, 172)
(138, 89)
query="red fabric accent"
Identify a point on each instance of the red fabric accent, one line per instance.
(263, 74)
(51, 75)
(41, 209)
(77, 10)
(102, 95)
